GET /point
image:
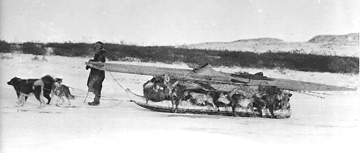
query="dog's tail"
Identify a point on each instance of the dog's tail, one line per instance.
(68, 94)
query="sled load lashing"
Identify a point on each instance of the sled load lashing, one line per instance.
(204, 90)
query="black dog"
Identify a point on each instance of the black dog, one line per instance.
(26, 86)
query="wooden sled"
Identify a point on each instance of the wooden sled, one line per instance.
(187, 107)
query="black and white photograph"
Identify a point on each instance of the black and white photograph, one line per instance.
(179, 76)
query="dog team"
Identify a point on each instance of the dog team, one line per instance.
(42, 88)
(47, 85)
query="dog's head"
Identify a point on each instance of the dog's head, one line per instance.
(15, 81)
(58, 80)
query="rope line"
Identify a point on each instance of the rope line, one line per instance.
(102, 96)
(120, 85)
(307, 93)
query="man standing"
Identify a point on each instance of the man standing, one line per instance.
(96, 77)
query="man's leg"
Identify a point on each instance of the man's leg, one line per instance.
(97, 92)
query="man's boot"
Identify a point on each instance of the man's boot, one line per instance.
(96, 101)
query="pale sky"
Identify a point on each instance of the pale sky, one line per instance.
(174, 22)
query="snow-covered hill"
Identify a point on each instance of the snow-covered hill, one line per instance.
(342, 45)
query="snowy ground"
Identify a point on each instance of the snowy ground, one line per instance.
(329, 124)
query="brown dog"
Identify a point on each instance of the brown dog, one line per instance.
(61, 91)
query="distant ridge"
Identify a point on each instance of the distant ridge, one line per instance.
(341, 45)
(341, 39)
(260, 40)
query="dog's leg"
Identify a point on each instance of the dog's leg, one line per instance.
(39, 94)
(42, 102)
(62, 100)
(47, 96)
(19, 100)
(18, 95)
(52, 96)
(42, 97)
(22, 102)
(54, 90)
(69, 101)
(57, 102)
